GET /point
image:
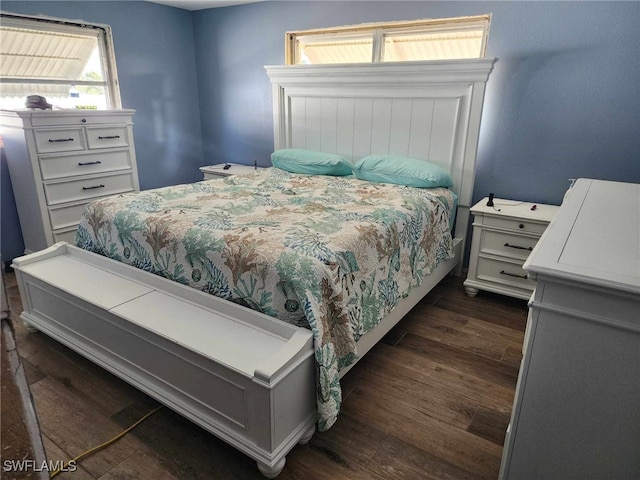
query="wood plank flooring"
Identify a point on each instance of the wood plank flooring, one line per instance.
(431, 401)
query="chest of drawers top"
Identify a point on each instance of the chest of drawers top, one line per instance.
(53, 118)
(596, 238)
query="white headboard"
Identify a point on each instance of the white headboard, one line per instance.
(425, 110)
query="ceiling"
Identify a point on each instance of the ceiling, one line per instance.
(202, 4)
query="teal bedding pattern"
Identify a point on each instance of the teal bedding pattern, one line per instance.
(333, 254)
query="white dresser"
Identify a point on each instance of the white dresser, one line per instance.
(503, 237)
(59, 160)
(576, 412)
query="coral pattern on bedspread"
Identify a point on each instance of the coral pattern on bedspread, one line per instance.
(334, 254)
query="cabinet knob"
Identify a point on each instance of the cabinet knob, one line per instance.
(84, 120)
(521, 225)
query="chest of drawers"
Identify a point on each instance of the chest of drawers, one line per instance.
(503, 237)
(59, 161)
(575, 412)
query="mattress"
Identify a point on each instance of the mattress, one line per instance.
(333, 254)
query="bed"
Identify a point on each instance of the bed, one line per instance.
(258, 382)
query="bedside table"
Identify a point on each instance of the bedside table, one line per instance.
(217, 170)
(503, 237)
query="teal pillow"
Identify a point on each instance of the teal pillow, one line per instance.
(296, 160)
(401, 171)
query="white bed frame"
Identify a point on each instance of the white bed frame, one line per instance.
(257, 392)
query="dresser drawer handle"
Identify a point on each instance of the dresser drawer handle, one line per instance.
(60, 140)
(521, 225)
(518, 247)
(94, 187)
(97, 162)
(110, 137)
(502, 272)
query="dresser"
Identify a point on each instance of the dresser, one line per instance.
(218, 170)
(59, 160)
(504, 234)
(576, 412)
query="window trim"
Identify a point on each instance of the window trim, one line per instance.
(105, 44)
(378, 29)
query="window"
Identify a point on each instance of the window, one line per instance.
(71, 64)
(433, 39)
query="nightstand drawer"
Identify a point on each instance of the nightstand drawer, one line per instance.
(507, 244)
(211, 172)
(506, 273)
(214, 175)
(515, 224)
(59, 140)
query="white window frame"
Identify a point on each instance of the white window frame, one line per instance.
(377, 31)
(105, 44)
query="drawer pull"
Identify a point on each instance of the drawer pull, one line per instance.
(97, 162)
(94, 187)
(521, 225)
(502, 272)
(110, 137)
(60, 140)
(518, 247)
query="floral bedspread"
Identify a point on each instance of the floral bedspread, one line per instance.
(334, 254)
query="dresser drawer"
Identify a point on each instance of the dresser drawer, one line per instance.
(86, 188)
(73, 165)
(68, 235)
(507, 244)
(515, 224)
(107, 137)
(506, 273)
(66, 216)
(59, 140)
(53, 118)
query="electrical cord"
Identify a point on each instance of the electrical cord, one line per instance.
(103, 445)
(502, 204)
(510, 204)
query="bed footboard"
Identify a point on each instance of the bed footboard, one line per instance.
(243, 376)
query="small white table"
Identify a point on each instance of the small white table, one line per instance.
(503, 237)
(218, 171)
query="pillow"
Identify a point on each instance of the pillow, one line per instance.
(296, 160)
(401, 171)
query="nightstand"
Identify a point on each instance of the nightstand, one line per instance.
(217, 171)
(503, 237)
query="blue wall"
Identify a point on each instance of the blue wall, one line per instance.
(157, 72)
(562, 102)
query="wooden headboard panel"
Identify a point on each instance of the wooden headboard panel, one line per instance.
(425, 110)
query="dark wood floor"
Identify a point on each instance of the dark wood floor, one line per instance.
(432, 401)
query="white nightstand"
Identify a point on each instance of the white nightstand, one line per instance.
(503, 237)
(218, 171)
